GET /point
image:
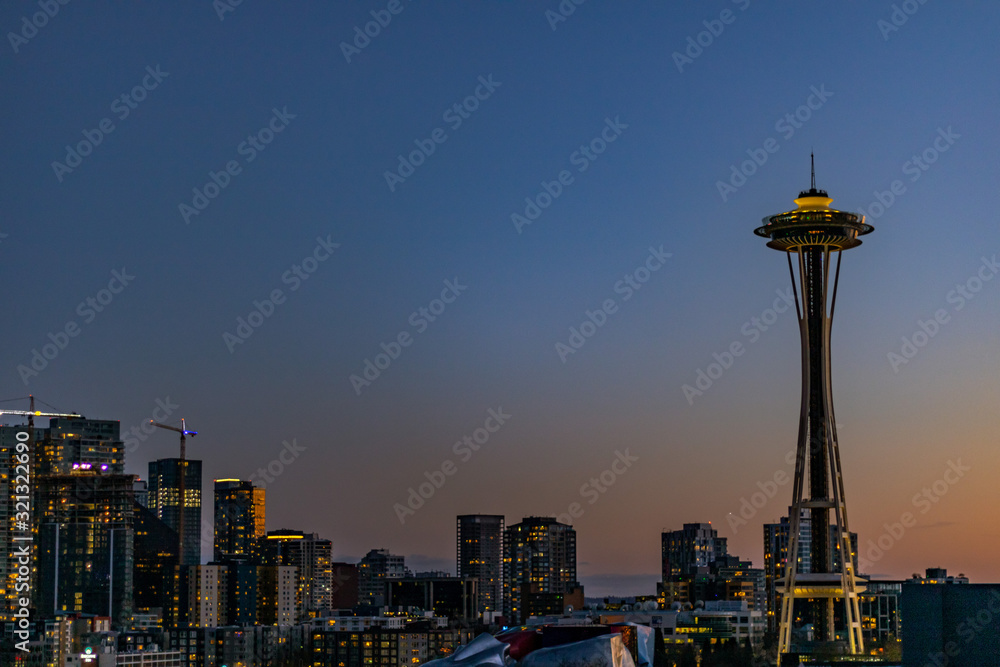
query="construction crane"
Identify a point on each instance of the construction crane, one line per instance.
(35, 413)
(31, 414)
(183, 473)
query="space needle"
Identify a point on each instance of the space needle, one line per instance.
(812, 236)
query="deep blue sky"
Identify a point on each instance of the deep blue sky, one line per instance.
(888, 97)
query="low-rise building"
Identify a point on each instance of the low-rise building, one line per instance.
(722, 621)
(256, 646)
(879, 606)
(452, 597)
(381, 647)
(948, 624)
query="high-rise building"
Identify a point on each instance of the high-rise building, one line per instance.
(235, 593)
(175, 614)
(480, 556)
(70, 443)
(155, 560)
(776, 542)
(726, 579)
(312, 556)
(374, 570)
(540, 568)
(738, 580)
(776, 560)
(344, 587)
(164, 501)
(207, 595)
(239, 520)
(10, 488)
(695, 545)
(85, 556)
(812, 236)
(277, 587)
(82, 517)
(241, 591)
(81, 514)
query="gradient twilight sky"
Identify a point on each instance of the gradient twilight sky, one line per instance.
(887, 95)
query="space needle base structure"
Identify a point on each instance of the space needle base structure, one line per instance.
(811, 236)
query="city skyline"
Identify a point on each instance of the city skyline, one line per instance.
(297, 578)
(109, 450)
(560, 311)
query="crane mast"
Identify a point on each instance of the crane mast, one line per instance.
(181, 483)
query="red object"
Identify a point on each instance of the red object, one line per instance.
(521, 641)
